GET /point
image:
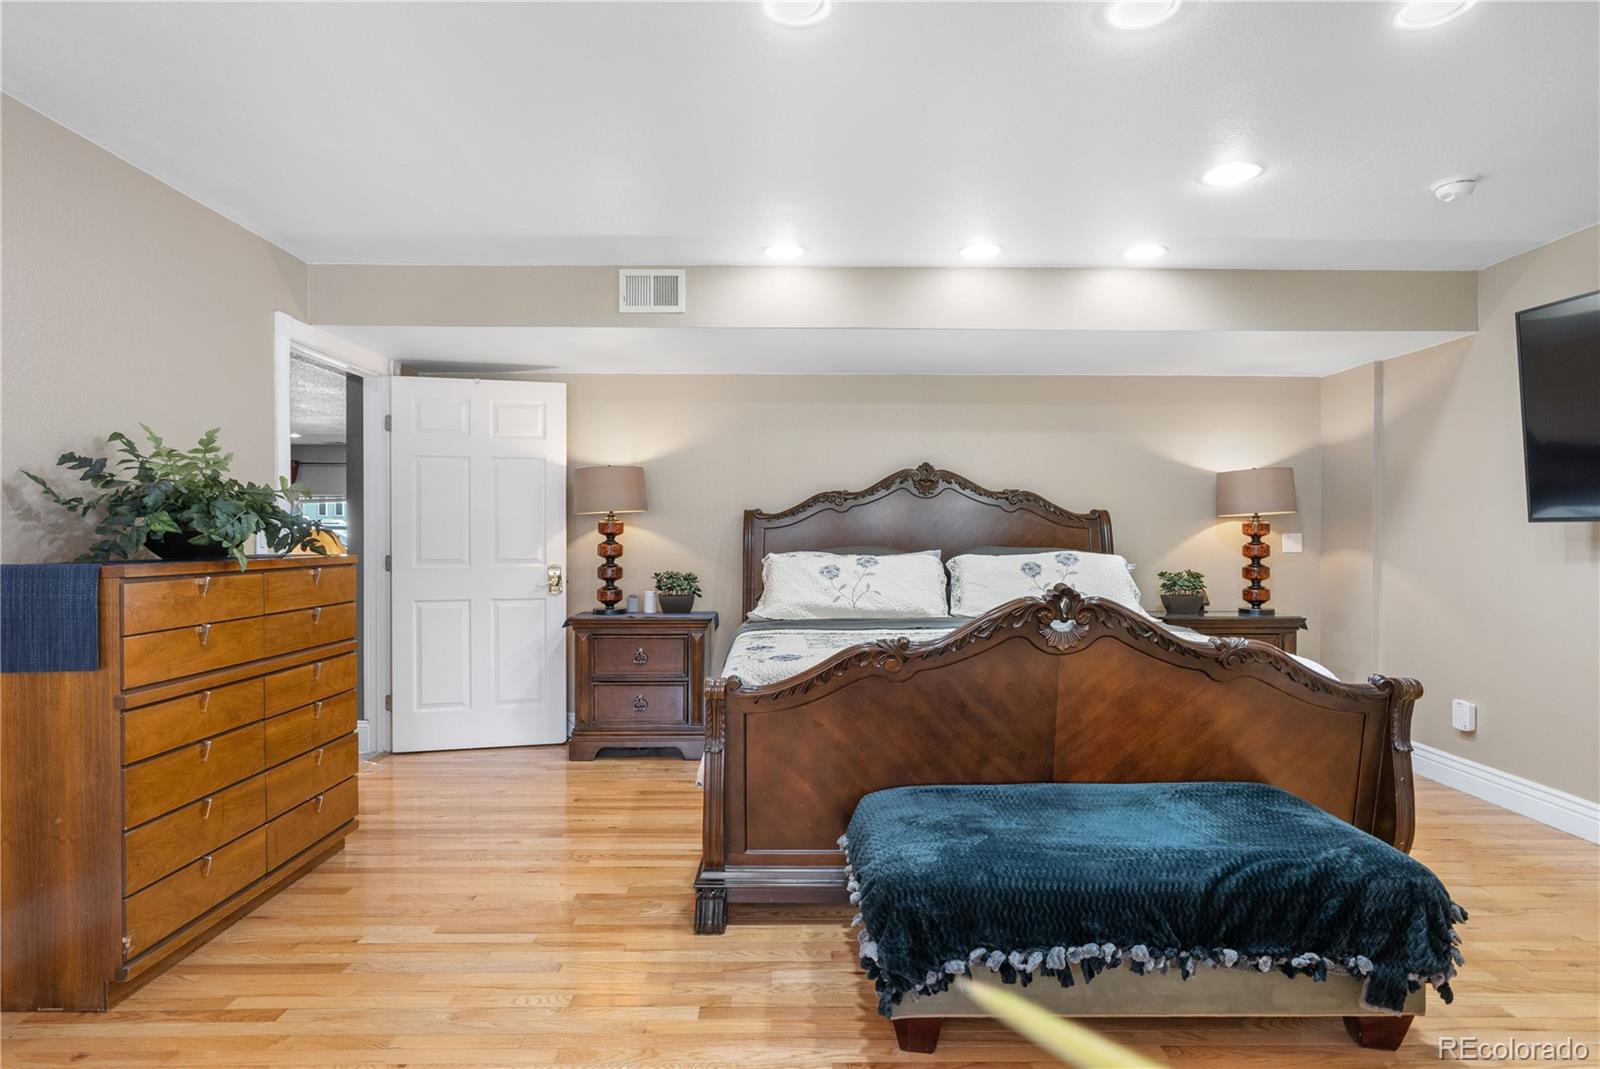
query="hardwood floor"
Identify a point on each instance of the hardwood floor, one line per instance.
(509, 908)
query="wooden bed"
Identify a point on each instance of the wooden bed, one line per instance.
(1047, 689)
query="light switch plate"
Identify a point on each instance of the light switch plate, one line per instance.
(1463, 715)
(1293, 542)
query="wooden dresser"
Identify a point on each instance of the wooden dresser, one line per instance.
(208, 761)
(639, 681)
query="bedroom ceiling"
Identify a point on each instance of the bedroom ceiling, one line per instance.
(889, 134)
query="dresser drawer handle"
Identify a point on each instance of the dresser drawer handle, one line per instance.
(316, 671)
(205, 751)
(319, 800)
(318, 761)
(204, 585)
(640, 656)
(205, 808)
(205, 864)
(316, 615)
(316, 577)
(639, 704)
(205, 634)
(316, 711)
(205, 701)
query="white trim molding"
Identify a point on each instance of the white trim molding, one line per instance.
(1563, 811)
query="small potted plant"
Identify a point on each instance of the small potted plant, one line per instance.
(677, 590)
(1183, 593)
(180, 504)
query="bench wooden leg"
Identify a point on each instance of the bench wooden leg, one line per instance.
(919, 1035)
(1379, 1033)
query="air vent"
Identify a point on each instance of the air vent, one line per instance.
(652, 291)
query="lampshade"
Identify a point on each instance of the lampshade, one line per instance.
(618, 488)
(1267, 491)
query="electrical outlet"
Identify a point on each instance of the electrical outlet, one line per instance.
(1293, 542)
(1463, 715)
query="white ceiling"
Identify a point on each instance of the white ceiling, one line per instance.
(502, 350)
(669, 134)
(317, 399)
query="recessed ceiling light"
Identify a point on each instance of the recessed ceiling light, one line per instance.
(294, 434)
(1140, 14)
(1426, 14)
(785, 251)
(980, 250)
(1234, 173)
(1145, 251)
(797, 12)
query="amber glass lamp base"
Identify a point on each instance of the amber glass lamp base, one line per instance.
(609, 571)
(1255, 552)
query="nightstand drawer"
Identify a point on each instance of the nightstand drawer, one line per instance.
(623, 655)
(623, 703)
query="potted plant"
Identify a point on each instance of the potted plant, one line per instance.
(1183, 593)
(179, 504)
(677, 590)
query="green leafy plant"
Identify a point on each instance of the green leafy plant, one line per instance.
(169, 497)
(1185, 582)
(678, 583)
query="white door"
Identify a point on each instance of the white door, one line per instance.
(480, 519)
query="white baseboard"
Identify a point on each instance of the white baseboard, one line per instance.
(1567, 812)
(365, 744)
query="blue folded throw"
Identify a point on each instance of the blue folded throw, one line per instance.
(49, 617)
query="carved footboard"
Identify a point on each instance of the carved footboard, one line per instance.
(1053, 689)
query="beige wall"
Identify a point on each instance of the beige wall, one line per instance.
(1349, 516)
(1144, 448)
(1471, 598)
(123, 302)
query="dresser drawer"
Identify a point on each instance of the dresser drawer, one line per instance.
(619, 655)
(162, 604)
(311, 725)
(645, 703)
(300, 588)
(303, 628)
(158, 728)
(163, 783)
(166, 845)
(160, 655)
(293, 782)
(309, 682)
(310, 821)
(163, 908)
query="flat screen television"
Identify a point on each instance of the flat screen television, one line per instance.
(1558, 362)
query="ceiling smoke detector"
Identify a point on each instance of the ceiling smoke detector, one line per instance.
(1462, 185)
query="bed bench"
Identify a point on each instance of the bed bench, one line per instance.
(1144, 899)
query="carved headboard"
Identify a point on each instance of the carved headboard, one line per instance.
(918, 508)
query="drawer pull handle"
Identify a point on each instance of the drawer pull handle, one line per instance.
(204, 585)
(316, 671)
(205, 701)
(205, 634)
(320, 799)
(205, 808)
(639, 704)
(319, 758)
(205, 865)
(316, 615)
(316, 711)
(640, 656)
(316, 577)
(205, 751)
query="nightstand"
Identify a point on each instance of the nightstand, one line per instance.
(1278, 629)
(638, 680)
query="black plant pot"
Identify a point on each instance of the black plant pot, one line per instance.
(676, 602)
(1184, 604)
(178, 547)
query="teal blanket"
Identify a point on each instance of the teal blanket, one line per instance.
(1043, 879)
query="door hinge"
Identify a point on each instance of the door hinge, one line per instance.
(388, 423)
(388, 703)
(388, 563)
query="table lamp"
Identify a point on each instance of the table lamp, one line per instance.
(608, 490)
(1256, 492)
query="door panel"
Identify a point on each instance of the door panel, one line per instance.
(479, 518)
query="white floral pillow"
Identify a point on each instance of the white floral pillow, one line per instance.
(835, 586)
(980, 582)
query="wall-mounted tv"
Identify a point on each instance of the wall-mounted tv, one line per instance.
(1558, 360)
